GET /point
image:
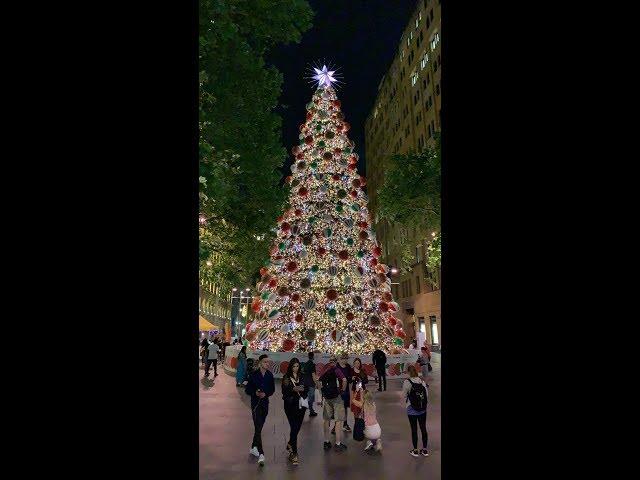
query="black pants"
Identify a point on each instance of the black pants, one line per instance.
(295, 416)
(259, 414)
(347, 404)
(208, 366)
(382, 378)
(416, 420)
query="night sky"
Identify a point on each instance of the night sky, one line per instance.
(360, 38)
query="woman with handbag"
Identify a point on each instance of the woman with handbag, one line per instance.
(294, 394)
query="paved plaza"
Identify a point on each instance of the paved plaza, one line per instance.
(226, 431)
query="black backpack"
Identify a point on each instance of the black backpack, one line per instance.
(330, 385)
(418, 396)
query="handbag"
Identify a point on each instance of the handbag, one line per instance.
(303, 402)
(358, 430)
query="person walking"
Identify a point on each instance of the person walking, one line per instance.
(260, 387)
(295, 396)
(414, 391)
(333, 384)
(310, 379)
(423, 361)
(347, 371)
(203, 350)
(212, 359)
(380, 361)
(241, 367)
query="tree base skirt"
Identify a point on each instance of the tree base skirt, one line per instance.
(397, 365)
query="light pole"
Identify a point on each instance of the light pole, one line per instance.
(247, 297)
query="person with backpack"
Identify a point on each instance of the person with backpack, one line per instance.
(212, 358)
(260, 387)
(333, 384)
(310, 379)
(380, 361)
(414, 390)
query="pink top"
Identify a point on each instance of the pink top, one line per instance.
(369, 415)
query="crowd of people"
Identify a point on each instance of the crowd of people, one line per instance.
(212, 351)
(342, 388)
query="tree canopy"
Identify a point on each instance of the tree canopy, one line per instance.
(410, 199)
(240, 146)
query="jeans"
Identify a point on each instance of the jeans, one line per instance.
(311, 396)
(259, 415)
(346, 400)
(416, 420)
(382, 377)
(208, 366)
(295, 415)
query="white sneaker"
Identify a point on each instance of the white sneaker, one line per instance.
(254, 452)
(379, 445)
(369, 445)
(261, 460)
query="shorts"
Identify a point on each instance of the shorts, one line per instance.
(333, 408)
(372, 432)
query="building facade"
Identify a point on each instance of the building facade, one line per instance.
(213, 307)
(405, 118)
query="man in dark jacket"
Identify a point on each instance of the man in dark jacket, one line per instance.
(380, 361)
(204, 344)
(310, 379)
(260, 386)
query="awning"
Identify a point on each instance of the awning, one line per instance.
(206, 325)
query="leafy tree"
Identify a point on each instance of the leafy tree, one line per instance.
(240, 147)
(410, 199)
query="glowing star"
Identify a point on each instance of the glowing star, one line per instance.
(324, 77)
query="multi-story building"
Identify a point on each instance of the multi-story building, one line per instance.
(213, 307)
(405, 117)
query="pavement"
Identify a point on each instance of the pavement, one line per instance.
(226, 431)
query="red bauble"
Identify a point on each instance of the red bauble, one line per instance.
(346, 127)
(309, 115)
(336, 103)
(331, 294)
(393, 321)
(387, 297)
(355, 183)
(363, 235)
(292, 266)
(298, 212)
(285, 227)
(256, 306)
(343, 254)
(295, 297)
(336, 177)
(400, 333)
(303, 191)
(308, 140)
(299, 318)
(373, 262)
(363, 181)
(280, 219)
(381, 277)
(363, 225)
(295, 150)
(272, 283)
(299, 156)
(383, 306)
(392, 308)
(352, 166)
(350, 316)
(288, 179)
(377, 251)
(288, 345)
(337, 151)
(302, 125)
(263, 271)
(322, 251)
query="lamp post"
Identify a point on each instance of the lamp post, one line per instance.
(238, 326)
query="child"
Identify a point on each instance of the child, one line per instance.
(372, 429)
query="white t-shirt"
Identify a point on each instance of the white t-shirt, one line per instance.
(213, 351)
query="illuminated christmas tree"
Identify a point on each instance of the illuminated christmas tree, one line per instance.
(325, 288)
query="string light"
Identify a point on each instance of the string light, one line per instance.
(325, 288)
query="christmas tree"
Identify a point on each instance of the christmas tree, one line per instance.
(325, 288)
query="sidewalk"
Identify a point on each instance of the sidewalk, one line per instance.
(226, 431)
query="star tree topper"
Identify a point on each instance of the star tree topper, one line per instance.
(324, 77)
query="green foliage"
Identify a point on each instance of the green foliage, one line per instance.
(240, 147)
(410, 199)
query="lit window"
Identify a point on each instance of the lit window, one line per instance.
(414, 78)
(435, 41)
(425, 60)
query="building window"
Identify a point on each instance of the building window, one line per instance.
(425, 60)
(437, 89)
(429, 130)
(435, 41)
(431, 14)
(414, 78)
(417, 285)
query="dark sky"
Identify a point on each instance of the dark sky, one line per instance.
(360, 37)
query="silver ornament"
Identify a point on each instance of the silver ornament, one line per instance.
(333, 270)
(310, 303)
